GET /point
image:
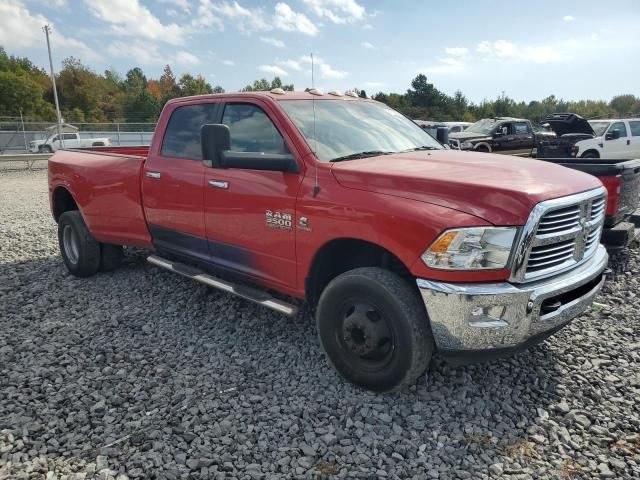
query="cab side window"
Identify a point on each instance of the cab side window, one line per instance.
(621, 127)
(68, 136)
(182, 137)
(635, 128)
(521, 128)
(252, 130)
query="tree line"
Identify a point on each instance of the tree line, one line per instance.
(87, 96)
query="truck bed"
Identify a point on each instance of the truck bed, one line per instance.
(105, 182)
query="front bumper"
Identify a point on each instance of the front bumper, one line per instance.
(476, 318)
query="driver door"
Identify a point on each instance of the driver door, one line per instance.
(250, 214)
(617, 147)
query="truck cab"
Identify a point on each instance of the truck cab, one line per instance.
(495, 135)
(611, 139)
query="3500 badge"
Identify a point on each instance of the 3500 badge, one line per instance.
(279, 220)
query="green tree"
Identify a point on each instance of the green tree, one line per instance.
(19, 93)
(190, 85)
(623, 105)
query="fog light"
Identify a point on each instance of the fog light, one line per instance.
(489, 316)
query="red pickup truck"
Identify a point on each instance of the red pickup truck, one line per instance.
(400, 247)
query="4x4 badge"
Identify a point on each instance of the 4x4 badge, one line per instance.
(303, 224)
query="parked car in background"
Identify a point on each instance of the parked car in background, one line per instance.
(494, 135)
(579, 138)
(69, 140)
(400, 246)
(457, 126)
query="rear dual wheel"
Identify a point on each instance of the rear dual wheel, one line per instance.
(82, 254)
(373, 328)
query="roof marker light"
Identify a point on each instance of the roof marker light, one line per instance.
(315, 91)
(335, 93)
(351, 93)
(277, 91)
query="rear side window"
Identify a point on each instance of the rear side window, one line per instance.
(252, 130)
(182, 137)
(521, 127)
(619, 126)
(635, 128)
(68, 136)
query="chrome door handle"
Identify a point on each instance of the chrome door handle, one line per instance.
(155, 175)
(219, 184)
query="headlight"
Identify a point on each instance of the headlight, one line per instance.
(466, 145)
(474, 248)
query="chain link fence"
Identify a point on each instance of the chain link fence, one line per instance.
(15, 135)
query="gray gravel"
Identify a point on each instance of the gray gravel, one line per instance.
(142, 374)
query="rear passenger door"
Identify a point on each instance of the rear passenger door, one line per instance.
(173, 181)
(522, 135)
(634, 139)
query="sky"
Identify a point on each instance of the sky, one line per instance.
(528, 50)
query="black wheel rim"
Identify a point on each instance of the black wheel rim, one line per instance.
(365, 336)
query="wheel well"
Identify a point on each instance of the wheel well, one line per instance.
(62, 202)
(341, 255)
(594, 151)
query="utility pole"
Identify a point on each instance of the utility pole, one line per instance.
(47, 30)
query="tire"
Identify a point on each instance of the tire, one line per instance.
(46, 149)
(483, 149)
(590, 154)
(374, 330)
(110, 257)
(98, 144)
(80, 251)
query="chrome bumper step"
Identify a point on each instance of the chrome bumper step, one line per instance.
(248, 293)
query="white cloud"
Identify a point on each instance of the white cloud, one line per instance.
(273, 69)
(290, 64)
(447, 65)
(245, 19)
(130, 18)
(171, 12)
(228, 63)
(374, 84)
(338, 11)
(148, 54)
(289, 21)
(19, 28)
(368, 45)
(273, 41)
(367, 26)
(327, 72)
(505, 50)
(568, 18)
(182, 4)
(456, 51)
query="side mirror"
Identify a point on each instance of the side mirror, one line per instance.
(216, 152)
(442, 135)
(215, 139)
(498, 133)
(612, 135)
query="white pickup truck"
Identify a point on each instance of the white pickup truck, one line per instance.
(576, 137)
(69, 140)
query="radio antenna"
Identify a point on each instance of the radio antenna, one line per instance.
(316, 186)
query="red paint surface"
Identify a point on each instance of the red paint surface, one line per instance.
(400, 202)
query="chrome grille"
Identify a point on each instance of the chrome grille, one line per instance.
(559, 235)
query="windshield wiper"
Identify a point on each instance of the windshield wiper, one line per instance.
(423, 147)
(355, 156)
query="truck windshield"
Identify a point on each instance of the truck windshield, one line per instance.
(483, 126)
(346, 130)
(599, 127)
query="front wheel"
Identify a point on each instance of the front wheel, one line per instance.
(46, 149)
(590, 154)
(80, 251)
(374, 330)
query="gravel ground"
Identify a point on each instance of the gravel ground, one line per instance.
(142, 374)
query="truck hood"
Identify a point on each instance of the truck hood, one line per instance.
(564, 123)
(500, 189)
(468, 136)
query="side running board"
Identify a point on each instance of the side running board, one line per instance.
(248, 293)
